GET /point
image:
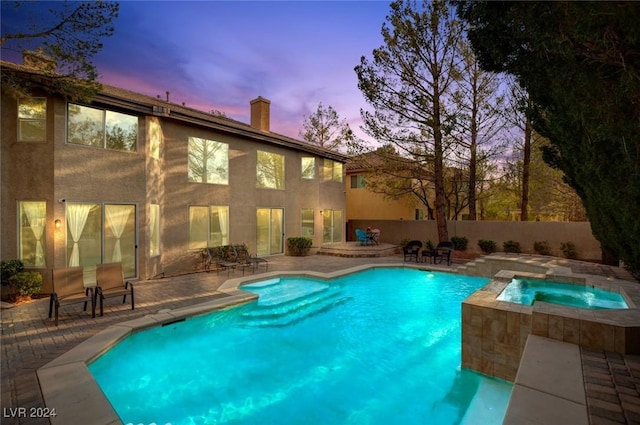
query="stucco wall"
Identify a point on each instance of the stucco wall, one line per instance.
(526, 233)
(57, 170)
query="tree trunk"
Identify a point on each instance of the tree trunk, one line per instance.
(472, 173)
(526, 161)
(438, 168)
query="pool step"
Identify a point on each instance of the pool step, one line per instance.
(294, 309)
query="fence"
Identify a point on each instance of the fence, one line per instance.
(523, 232)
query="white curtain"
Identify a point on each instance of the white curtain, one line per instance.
(76, 219)
(36, 213)
(223, 219)
(117, 217)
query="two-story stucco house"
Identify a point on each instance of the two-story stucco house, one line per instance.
(136, 179)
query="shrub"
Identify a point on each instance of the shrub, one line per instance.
(459, 243)
(569, 250)
(512, 246)
(8, 269)
(429, 245)
(26, 284)
(542, 247)
(404, 242)
(299, 245)
(487, 246)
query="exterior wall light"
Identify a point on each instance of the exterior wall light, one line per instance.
(58, 223)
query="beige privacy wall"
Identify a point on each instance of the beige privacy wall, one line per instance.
(526, 233)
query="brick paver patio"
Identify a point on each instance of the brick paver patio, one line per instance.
(30, 339)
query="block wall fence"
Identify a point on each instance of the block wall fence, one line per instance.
(524, 232)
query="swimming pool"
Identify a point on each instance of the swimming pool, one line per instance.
(528, 291)
(380, 346)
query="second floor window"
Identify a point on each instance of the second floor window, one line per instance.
(270, 170)
(32, 119)
(101, 128)
(357, 181)
(208, 161)
(332, 170)
(308, 164)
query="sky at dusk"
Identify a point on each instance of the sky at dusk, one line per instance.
(222, 54)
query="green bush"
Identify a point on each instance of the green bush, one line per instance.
(487, 246)
(428, 245)
(404, 242)
(512, 246)
(542, 247)
(8, 269)
(299, 245)
(26, 284)
(459, 243)
(569, 250)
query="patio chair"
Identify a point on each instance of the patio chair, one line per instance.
(411, 250)
(222, 258)
(110, 283)
(68, 288)
(375, 236)
(361, 236)
(243, 256)
(442, 252)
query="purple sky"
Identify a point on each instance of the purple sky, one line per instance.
(222, 54)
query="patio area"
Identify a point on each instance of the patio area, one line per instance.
(30, 340)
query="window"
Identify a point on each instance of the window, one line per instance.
(307, 228)
(208, 161)
(100, 128)
(31, 232)
(357, 181)
(154, 230)
(32, 119)
(270, 170)
(155, 138)
(308, 164)
(102, 233)
(208, 226)
(331, 226)
(332, 170)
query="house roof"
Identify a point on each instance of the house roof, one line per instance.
(149, 105)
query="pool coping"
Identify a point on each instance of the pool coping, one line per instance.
(67, 381)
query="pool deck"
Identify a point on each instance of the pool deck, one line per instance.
(30, 340)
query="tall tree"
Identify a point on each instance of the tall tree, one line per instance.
(407, 83)
(325, 129)
(479, 120)
(64, 37)
(579, 62)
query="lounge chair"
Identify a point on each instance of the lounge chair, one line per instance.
(110, 283)
(361, 236)
(222, 258)
(244, 257)
(411, 250)
(68, 288)
(442, 252)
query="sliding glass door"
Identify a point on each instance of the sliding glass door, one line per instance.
(270, 231)
(102, 233)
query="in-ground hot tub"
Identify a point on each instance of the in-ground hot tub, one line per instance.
(529, 291)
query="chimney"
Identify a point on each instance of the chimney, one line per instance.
(260, 113)
(38, 59)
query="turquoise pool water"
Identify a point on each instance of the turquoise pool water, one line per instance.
(376, 347)
(527, 292)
